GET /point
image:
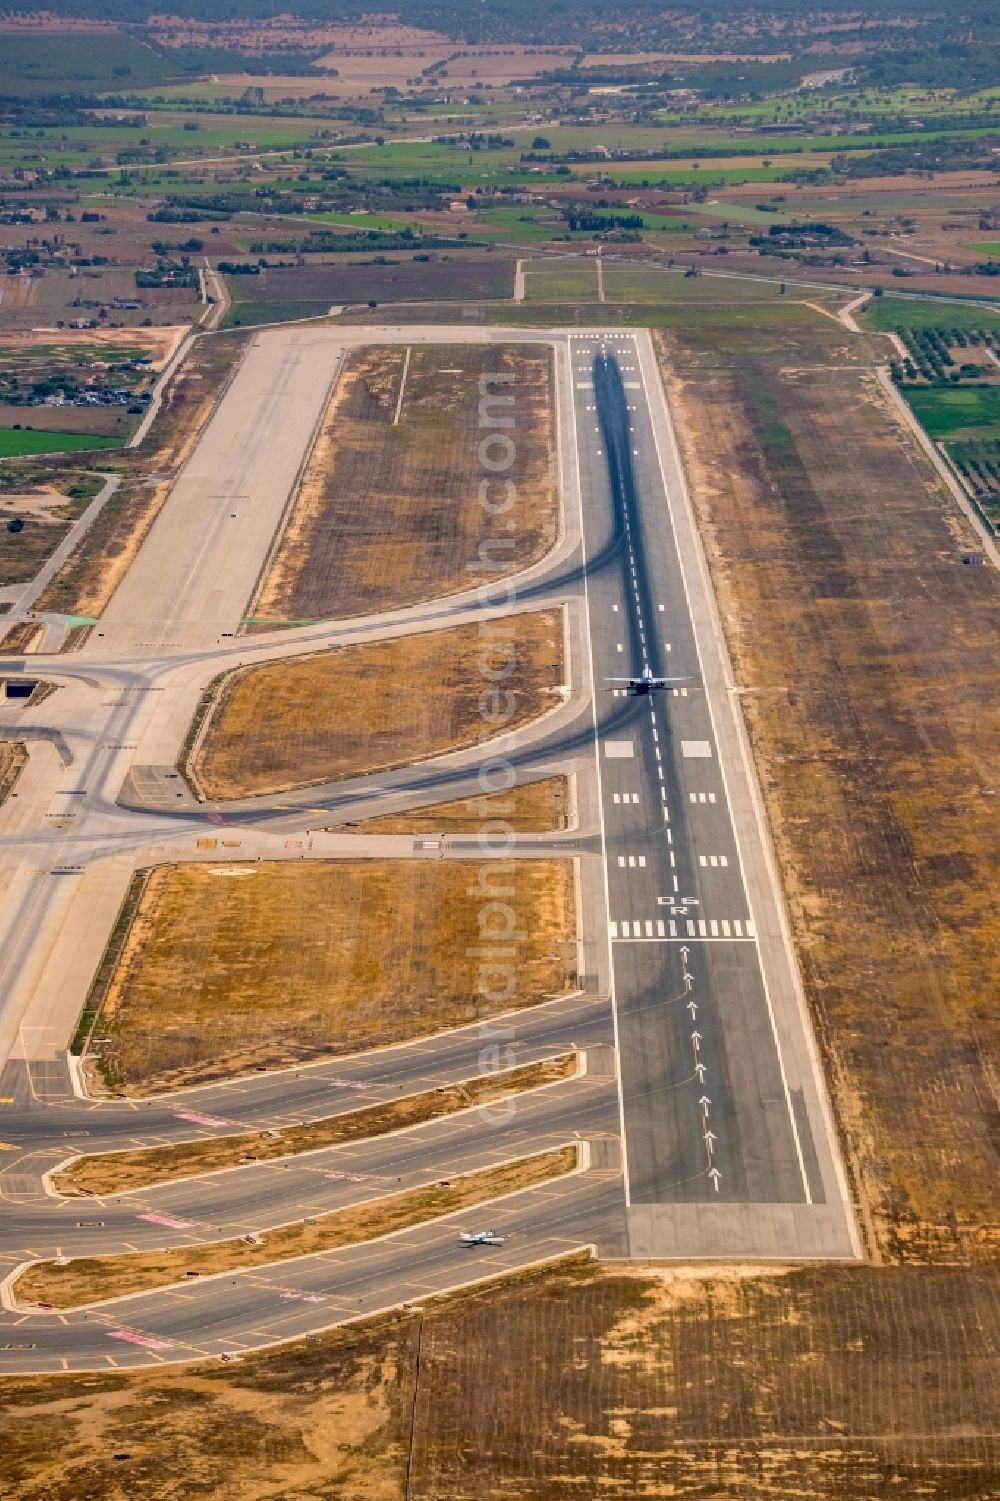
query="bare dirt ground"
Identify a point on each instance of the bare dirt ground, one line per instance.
(20, 638)
(158, 343)
(820, 1382)
(90, 576)
(533, 807)
(300, 960)
(33, 306)
(274, 34)
(321, 718)
(47, 515)
(388, 512)
(865, 652)
(117, 1172)
(91, 1279)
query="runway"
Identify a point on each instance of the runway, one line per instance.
(718, 1107)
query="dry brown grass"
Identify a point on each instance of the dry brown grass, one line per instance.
(21, 638)
(824, 1382)
(46, 515)
(298, 960)
(13, 758)
(89, 577)
(359, 709)
(91, 1279)
(388, 513)
(868, 653)
(119, 1172)
(531, 807)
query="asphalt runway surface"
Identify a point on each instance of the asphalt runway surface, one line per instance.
(706, 1114)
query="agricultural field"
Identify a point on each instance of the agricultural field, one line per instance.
(45, 305)
(866, 649)
(979, 464)
(808, 330)
(326, 717)
(16, 442)
(817, 1381)
(902, 315)
(642, 284)
(560, 280)
(388, 510)
(963, 414)
(282, 295)
(76, 61)
(215, 976)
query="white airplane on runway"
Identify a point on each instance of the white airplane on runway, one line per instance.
(480, 1238)
(646, 682)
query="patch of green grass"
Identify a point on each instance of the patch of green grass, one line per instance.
(971, 412)
(898, 314)
(251, 313)
(17, 441)
(741, 213)
(361, 221)
(646, 284)
(561, 281)
(986, 247)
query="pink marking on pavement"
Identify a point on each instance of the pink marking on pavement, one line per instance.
(201, 1120)
(148, 1341)
(168, 1220)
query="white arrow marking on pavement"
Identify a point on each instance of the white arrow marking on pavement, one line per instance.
(715, 1175)
(700, 1070)
(693, 1008)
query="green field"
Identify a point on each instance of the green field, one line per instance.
(898, 314)
(17, 441)
(560, 281)
(76, 146)
(79, 61)
(251, 313)
(742, 213)
(647, 284)
(966, 414)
